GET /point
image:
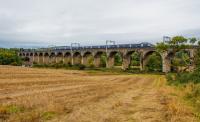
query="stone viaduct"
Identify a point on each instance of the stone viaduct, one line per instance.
(80, 55)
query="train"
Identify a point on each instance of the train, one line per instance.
(57, 48)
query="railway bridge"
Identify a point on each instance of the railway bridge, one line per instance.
(80, 55)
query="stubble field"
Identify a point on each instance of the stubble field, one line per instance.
(34, 95)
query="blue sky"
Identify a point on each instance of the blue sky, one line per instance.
(39, 23)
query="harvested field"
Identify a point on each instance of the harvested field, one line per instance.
(33, 95)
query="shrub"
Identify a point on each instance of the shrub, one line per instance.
(170, 77)
(92, 66)
(80, 66)
(195, 76)
(69, 64)
(34, 62)
(14, 64)
(183, 78)
(154, 63)
(133, 70)
(58, 65)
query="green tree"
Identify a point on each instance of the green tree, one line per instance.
(181, 60)
(174, 46)
(91, 61)
(135, 59)
(118, 59)
(8, 56)
(178, 40)
(154, 63)
(193, 40)
(103, 60)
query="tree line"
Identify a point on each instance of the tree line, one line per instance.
(9, 57)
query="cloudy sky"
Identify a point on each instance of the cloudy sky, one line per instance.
(39, 23)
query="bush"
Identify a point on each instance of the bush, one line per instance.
(34, 62)
(133, 70)
(14, 63)
(80, 66)
(69, 64)
(154, 63)
(60, 65)
(92, 66)
(38, 65)
(195, 77)
(183, 78)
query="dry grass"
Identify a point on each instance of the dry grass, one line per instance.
(177, 110)
(32, 95)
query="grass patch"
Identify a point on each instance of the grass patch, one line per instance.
(32, 116)
(48, 115)
(11, 109)
(7, 110)
(16, 113)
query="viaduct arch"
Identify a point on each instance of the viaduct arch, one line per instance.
(86, 57)
(67, 58)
